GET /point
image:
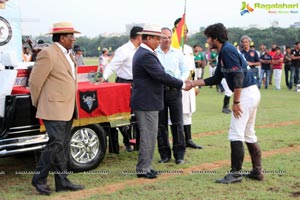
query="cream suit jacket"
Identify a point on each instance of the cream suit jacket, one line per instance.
(52, 86)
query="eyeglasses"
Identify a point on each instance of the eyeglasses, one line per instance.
(70, 36)
(156, 37)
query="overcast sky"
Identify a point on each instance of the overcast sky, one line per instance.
(93, 17)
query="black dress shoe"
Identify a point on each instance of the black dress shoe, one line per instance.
(193, 145)
(154, 172)
(149, 175)
(43, 189)
(70, 187)
(234, 177)
(226, 110)
(179, 161)
(164, 160)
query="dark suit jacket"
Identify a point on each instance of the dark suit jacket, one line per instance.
(149, 78)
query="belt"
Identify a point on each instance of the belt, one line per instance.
(122, 80)
(170, 88)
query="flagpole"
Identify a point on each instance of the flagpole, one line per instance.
(184, 11)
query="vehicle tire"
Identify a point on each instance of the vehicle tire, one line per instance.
(87, 147)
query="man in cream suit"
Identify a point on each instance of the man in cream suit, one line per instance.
(53, 88)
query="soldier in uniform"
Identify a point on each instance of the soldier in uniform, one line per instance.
(188, 97)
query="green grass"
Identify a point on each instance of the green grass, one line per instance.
(91, 61)
(276, 106)
(202, 186)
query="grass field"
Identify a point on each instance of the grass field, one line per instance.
(278, 130)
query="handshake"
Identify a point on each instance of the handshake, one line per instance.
(188, 85)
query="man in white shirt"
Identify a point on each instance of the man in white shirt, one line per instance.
(104, 59)
(121, 64)
(173, 62)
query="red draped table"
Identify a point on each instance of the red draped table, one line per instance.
(105, 102)
(97, 103)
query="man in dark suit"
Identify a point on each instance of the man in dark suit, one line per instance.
(149, 78)
(53, 88)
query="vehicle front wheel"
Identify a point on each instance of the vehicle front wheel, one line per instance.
(87, 147)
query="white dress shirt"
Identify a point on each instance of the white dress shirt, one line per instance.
(173, 62)
(68, 55)
(147, 47)
(121, 63)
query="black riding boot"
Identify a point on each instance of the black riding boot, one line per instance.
(226, 109)
(237, 158)
(255, 153)
(188, 138)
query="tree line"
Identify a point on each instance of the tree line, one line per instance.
(279, 36)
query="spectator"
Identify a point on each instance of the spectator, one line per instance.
(213, 61)
(104, 59)
(37, 48)
(26, 55)
(200, 61)
(287, 66)
(272, 53)
(277, 62)
(262, 48)
(258, 68)
(265, 60)
(251, 56)
(78, 55)
(295, 68)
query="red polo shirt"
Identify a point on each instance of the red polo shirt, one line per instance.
(277, 57)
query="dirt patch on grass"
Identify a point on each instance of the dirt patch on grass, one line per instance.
(108, 189)
(279, 124)
(295, 194)
(210, 133)
(273, 125)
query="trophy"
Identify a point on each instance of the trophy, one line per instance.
(94, 77)
(191, 76)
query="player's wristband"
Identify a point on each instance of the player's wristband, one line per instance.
(236, 102)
